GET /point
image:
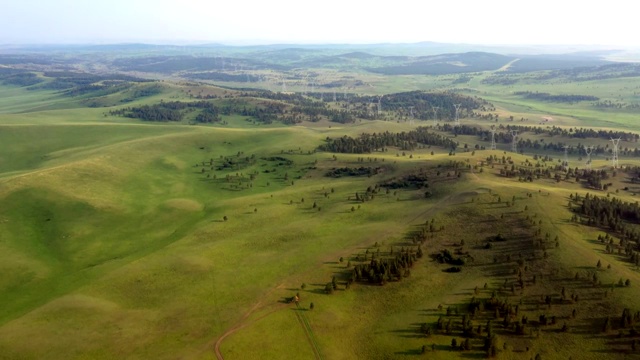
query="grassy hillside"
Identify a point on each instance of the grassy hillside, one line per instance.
(122, 237)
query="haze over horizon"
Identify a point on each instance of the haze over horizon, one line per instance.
(493, 22)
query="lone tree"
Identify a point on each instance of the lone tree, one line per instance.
(328, 288)
(607, 325)
(311, 306)
(225, 218)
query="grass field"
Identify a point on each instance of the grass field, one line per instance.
(122, 238)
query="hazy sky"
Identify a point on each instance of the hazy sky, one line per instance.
(611, 22)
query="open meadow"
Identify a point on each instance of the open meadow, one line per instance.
(329, 213)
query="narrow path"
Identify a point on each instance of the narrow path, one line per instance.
(508, 65)
(241, 325)
(302, 319)
(243, 321)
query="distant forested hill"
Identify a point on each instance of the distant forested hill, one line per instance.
(447, 64)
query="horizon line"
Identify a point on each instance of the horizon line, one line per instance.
(257, 43)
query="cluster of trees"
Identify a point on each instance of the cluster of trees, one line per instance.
(624, 246)
(315, 106)
(634, 174)
(500, 80)
(423, 103)
(463, 79)
(445, 257)
(527, 174)
(608, 104)
(280, 160)
(493, 308)
(574, 150)
(303, 108)
(21, 79)
(381, 271)
(565, 98)
(68, 80)
(96, 89)
(36, 58)
(292, 98)
(537, 144)
(208, 115)
(142, 92)
(576, 133)
(367, 143)
(74, 87)
(609, 212)
(348, 171)
(70, 83)
(170, 111)
(340, 84)
(411, 181)
(235, 162)
(589, 73)
(266, 112)
(627, 320)
(316, 109)
(222, 76)
(594, 178)
(157, 112)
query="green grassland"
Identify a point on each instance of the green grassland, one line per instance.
(122, 238)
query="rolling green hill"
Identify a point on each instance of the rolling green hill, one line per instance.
(173, 218)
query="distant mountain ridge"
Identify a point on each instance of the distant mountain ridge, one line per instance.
(425, 58)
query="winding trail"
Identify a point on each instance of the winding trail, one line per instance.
(243, 321)
(243, 324)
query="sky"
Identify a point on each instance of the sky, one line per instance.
(491, 22)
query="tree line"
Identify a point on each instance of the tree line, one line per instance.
(367, 143)
(170, 111)
(609, 212)
(564, 98)
(503, 132)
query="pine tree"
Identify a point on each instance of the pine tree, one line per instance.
(607, 325)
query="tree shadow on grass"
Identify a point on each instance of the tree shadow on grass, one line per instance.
(429, 349)
(590, 326)
(410, 352)
(411, 333)
(473, 355)
(318, 291)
